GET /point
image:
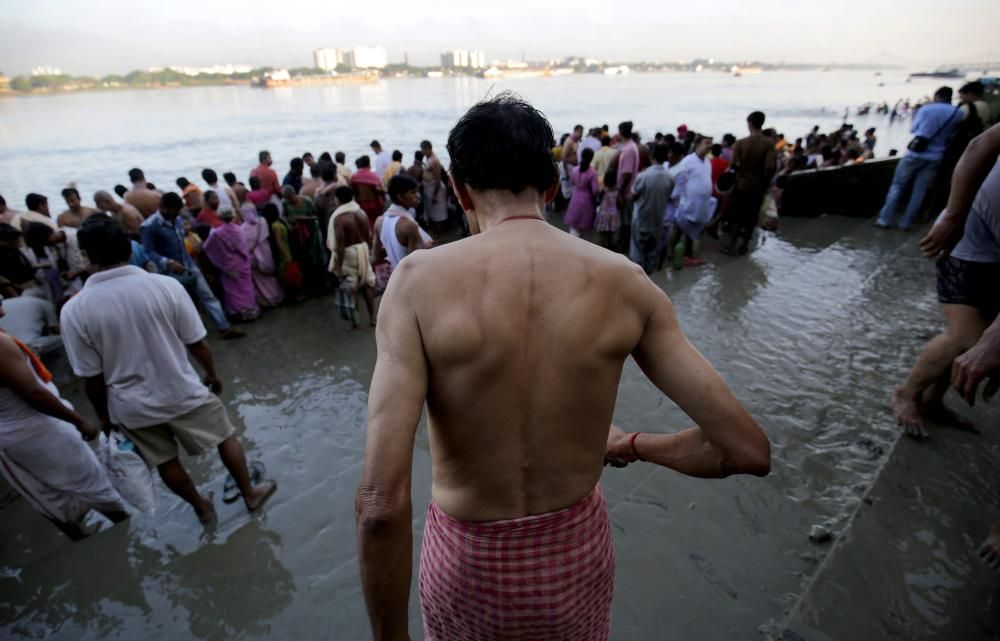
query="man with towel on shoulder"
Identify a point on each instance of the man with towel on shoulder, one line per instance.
(515, 339)
(349, 239)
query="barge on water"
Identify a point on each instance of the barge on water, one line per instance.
(281, 78)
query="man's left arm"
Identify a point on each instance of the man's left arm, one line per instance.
(383, 506)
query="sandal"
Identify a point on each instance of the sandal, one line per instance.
(231, 493)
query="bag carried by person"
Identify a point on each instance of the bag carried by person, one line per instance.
(128, 472)
(921, 143)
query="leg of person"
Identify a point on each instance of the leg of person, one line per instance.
(934, 409)
(922, 177)
(900, 183)
(233, 457)
(369, 296)
(964, 327)
(177, 479)
(213, 307)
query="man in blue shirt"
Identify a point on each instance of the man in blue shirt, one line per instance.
(652, 190)
(934, 122)
(163, 240)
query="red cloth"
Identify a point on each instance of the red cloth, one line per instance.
(719, 167)
(36, 363)
(209, 217)
(268, 179)
(535, 578)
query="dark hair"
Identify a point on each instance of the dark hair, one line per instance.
(728, 139)
(339, 157)
(519, 140)
(121, 190)
(263, 154)
(625, 129)
(426, 144)
(400, 184)
(870, 130)
(135, 175)
(9, 232)
(230, 178)
(105, 241)
(756, 119)
(363, 162)
(716, 150)
(182, 182)
(661, 151)
(944, 93)
(209, 195)
(562, 139)
(397, 155)
(343, 194)
(605, 141)
(610, 177)
(34, 201)
(3, 202)
(418, 156)
(316, 169)
(270, 212)
(170, 200)
(296, 164)
(202, 230)
(658, 136)
(209, 176)
(306, 155)
(328, 171)
(975, 87)
(254, 183)
(37, 234)
(70, 190)
(586, 157)
(151, 186)
(669, 139)
(578, 128)
(374, 144)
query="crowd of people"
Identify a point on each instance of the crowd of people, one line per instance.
(80, 282)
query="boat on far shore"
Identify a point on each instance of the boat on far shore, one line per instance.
(940, 73)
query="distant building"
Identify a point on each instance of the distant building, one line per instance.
(225, 70)
(325, 59)
(46, 71)
(329, 59)
(369, 58)
(463, 59)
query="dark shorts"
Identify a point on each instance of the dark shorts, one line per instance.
(961, 282)
(744, 211)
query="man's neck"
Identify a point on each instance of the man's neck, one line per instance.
(138, 185)
(98, 268)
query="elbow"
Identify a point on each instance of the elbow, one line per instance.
(753, 459)
(378, 514)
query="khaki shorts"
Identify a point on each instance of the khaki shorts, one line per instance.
(199, 431)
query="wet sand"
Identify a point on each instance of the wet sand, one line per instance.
(813, 330)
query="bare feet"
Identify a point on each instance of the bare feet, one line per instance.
(205, 509)
(989, 551)
(261, 492)
(619, 450)
(908, 414)
(938, 412)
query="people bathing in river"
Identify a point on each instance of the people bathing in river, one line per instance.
(755, 163)
(150, 392)
(517, 459)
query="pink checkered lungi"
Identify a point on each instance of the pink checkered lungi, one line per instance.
(535, 578)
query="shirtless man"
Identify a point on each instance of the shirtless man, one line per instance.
(77, 213)
(126, 214)
(146, 200)
(353, 238)
(965, 240)
(7, 215)
(434, 193)
(515, 338)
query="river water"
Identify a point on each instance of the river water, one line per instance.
(93, 139)
(812, 330)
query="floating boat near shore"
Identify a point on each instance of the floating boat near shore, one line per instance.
(281, 78)
(856, 190)
(940, 73)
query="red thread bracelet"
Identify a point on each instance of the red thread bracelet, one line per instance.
(631, 443)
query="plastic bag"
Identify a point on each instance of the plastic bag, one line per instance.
(128, 472)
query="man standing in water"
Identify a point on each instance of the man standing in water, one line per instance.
(126, 214)
(967, 281)
(755, 162)
(652, 190)
(129, 334)
(517, 541)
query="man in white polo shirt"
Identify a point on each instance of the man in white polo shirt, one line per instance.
(129, 332)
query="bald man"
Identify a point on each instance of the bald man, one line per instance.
(126, 214)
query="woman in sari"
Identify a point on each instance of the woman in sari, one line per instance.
(302, 216)
(280, 240)
(227, 249)
(268, 289)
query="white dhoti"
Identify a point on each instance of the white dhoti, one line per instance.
(58, 474)
(435, 210)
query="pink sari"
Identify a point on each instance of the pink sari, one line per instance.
(269, 290)
(227, 249)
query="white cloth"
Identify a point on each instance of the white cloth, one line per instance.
(382, 161)
(134, 327)
(20, 421)
(693, 190)
(27, 318)
(21, 220)
(331, 236)
(395, 250)
(224, 199)
(57, 473)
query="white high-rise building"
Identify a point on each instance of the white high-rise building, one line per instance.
(370, 57)
(463, 59)
(325, 59)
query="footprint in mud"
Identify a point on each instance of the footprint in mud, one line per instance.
(708, 571)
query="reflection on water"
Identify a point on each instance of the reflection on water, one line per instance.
(811, 330)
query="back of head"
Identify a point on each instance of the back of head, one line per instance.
(135, 175)
(9, 233)
(943, 94)
(34, 201)
(364, 162)
(344, 194)
(518, 140)
(586, 157)
(209, 176)
(263, 155)
(425, 146)
(229, 177)
(270, 212)
(661, 152)
(288, 192)
(316, 169)
(121, 190)
(756, 119)
(625, 129)
(328, 171)
(105, 241)
(375, 145)
(728, 139)
(716, 150)
(296, 164)
(36, 234)
(611, 178)
(418, 156)
(605, 141)
(182, 182)
(669, 139)
(254, 182)
(974, 90)
(3, 202)
(397, 155)
(340, 157)
(400, 184)
(170, 201)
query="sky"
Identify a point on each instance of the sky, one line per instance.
(117, 36)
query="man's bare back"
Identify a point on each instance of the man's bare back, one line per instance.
(145, 200)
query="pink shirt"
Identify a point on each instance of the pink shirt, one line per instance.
(628, 163)
(268, 179)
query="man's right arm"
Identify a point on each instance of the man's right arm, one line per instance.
(148, 235)
(977, 364)
(726, 439)
(971, 170)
